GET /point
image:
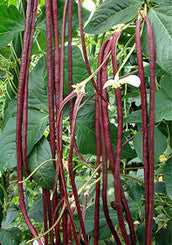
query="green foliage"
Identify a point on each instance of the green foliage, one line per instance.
(10, 236)
(41, 22)
(167, 176)
(37, 122)
(45, 175)
(163, 100)
(109, 14)
(164, 235)
(160, 18)
(104, 231)
(160, 144)
(11, 22)
(112, 13)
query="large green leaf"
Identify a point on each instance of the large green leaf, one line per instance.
(39, 44)
(167, 176)
(104, 231)
(37, 122)
(85, 128)
(10, 236)
(36, 211)
(112, 12)
(160, 18)
(37, 97)
(127, 152)
(140, 233)
(134, 117)
(41, 22)
(163, 100)
(164, 236)
(85, 132)
(45, 175)
(11, 22)
(11, 216)
(160, 145)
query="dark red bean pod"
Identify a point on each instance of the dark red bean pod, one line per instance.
(70, 167)
(144, 120)
(27, 40)
(119, 193)
(151, 127)
(106, 44)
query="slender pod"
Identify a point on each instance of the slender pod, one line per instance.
(83, 213)
(56, 55)
(108, 142)
(85, 50)
(57, 91)
(97, 197)
(22, 75)
(25, 106)
(144, 122)
(69, 228)
(70, 167)
(70, 72)
(67, 98)
(45, 214)
(119, 193)
(50, 80)
(151, 127)
(60, 159)
(103, 146)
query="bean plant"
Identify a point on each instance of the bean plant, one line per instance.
(85, 130)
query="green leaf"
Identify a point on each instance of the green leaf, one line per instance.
(163, 100)
(36, 211)
(134, 117)
(160, 18)
(11, 216)
(11, 22)
(167, 176)
(112, 12)
(127, 152)
(104, 231)
(164, 236)
(159, 188)
(134, 199)
(85, 132)
(39, 44)
(10, 236)
(160, 145)
(37, 97)
(140, 233)
(79, 70)
(85, 128)
(41, 21)
(5, 52)
(45, 175)
(37, 122)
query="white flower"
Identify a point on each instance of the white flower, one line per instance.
(116, 83)
(132, 80)
(36, 243)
